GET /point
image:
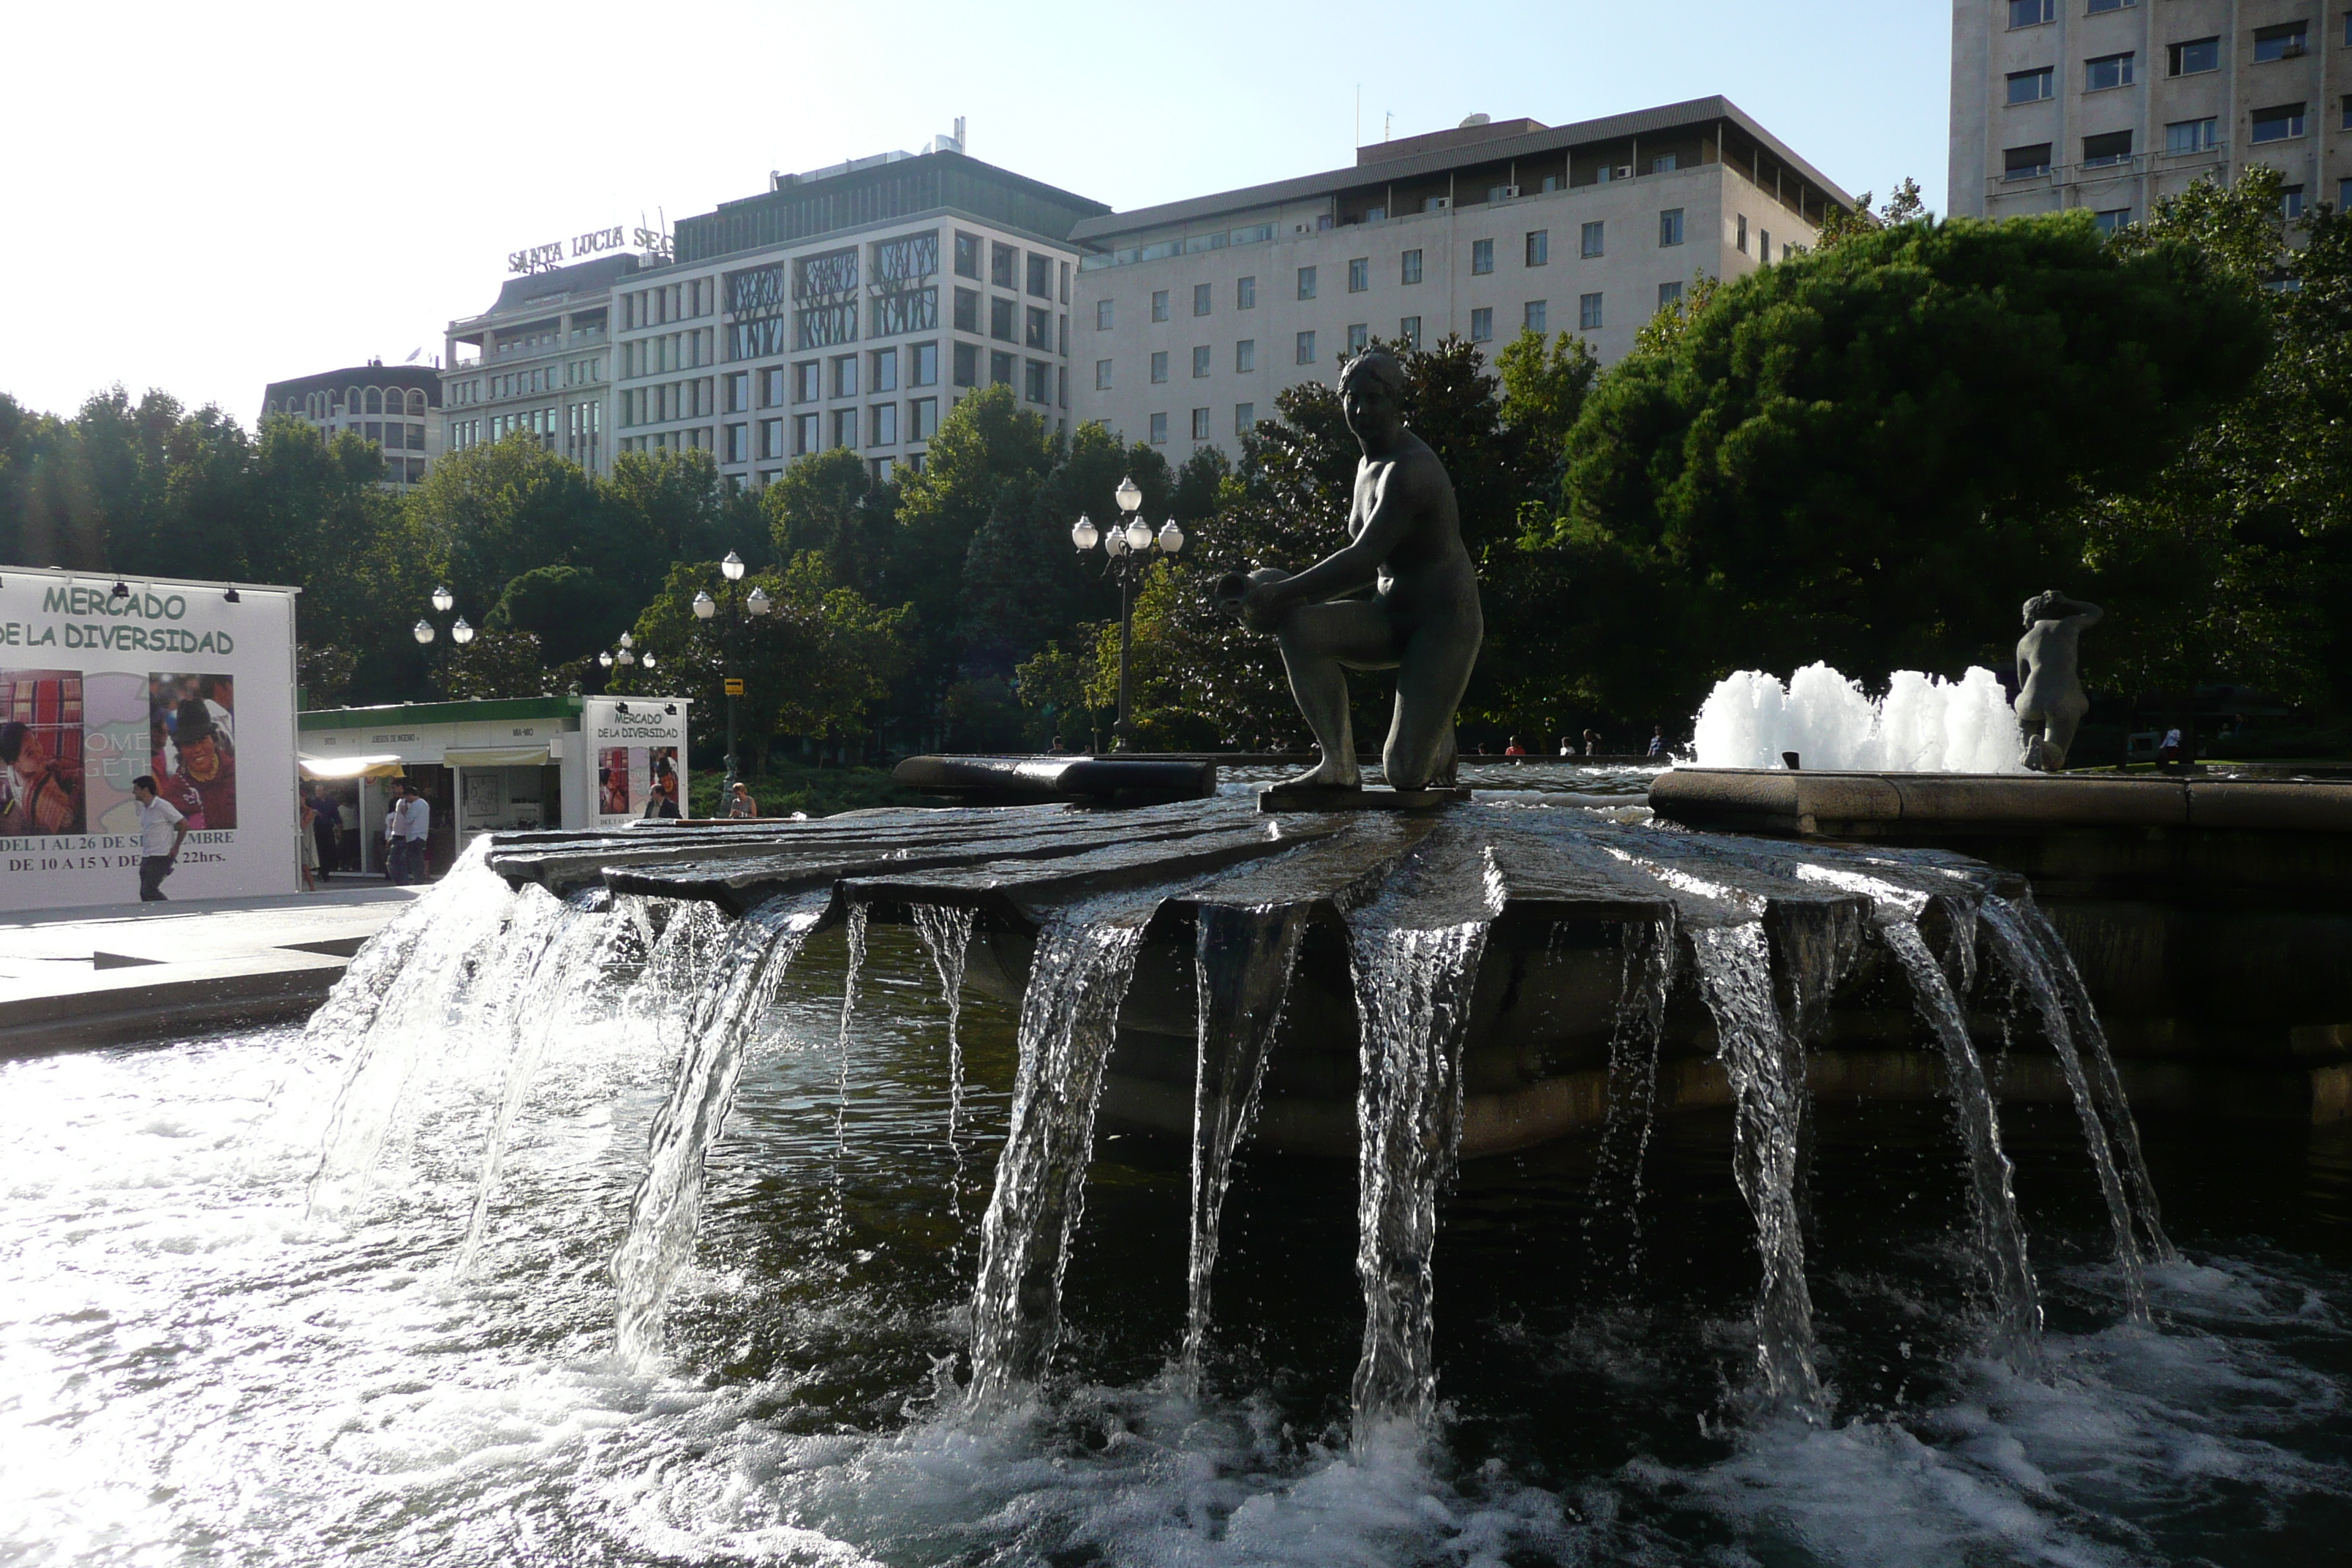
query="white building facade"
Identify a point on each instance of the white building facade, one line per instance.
(397, 406)
(2111, 105)
(849, 307)
(540, 360)
(1191, 317)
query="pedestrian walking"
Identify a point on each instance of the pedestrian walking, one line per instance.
(162, 825)
(307, 842)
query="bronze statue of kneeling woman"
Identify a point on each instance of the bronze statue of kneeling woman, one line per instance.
(1421, 619)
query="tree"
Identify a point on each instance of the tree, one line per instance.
(658, 506)
(489, 513)
(495, 664)
(570, 609)
(1869, 453)
(828, 502)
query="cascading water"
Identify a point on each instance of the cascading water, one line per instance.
(946, 933)
(1412, 980)
(1923, 724)
(1644, 977)
(1242, 961)
(668, 1201)
(838, 1221)
(1732, 965)
(1077, 978)
(2021, 940)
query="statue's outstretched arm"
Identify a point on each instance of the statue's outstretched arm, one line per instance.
(1357, 564)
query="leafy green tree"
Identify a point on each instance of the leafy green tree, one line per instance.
(658, 506)
(492, 512)
(495, 664)
(1867, 454)
(570, 609)
(828, 502)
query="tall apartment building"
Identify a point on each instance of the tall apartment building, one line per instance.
(540, 360)
(2110, 105)
(848, 307)
(1193, 315)
(398, 406)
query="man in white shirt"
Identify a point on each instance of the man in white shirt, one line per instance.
(414, 816)
(161, 828)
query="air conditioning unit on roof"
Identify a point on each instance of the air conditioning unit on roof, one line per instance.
(1623, 172)
(1510, 192)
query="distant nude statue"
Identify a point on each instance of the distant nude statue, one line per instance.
(2050, 700)
(1422, 618)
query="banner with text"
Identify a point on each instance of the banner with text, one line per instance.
(637, 748)
(170, 680)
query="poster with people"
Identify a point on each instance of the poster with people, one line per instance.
(104, 684)
(638, 749)
(612, 780)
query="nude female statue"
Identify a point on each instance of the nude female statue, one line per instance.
(1422, 618)
(2050, 700)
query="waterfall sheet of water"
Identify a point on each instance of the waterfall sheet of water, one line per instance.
(1733, 967)
(837, 1221)
(1644, 977)
(419, 992)
(559, 993)
(668, 1205)
(945, 931)
(1078, 975)
(2029, 951)
(1243, 958)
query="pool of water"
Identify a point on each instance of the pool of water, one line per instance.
(196, 1372)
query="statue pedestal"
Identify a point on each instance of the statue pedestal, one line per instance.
(1280, 798)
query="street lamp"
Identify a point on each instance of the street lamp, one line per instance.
(461, 634)
(1131, 547)
(706, 608)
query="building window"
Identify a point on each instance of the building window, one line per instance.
(1102, 376)
(737, 443)
(1003, 321)
(2105, 150)
(1305, 348)
(1160, 429)
(1408, 330)
(2031, 87)
(1307, 282)
(1037, 381)
(2280, 123)
(2099, 5)
(2025, 162)
(1201, 298)
(1592, 239)
(1360, 337)
(922, 418)
(1244, 418)
(2291, 202)
(2195, 55)
(2346, 122)
(2192, 136)
(844, 376)
(1245, 293)
(739, 390)
(1482, 324)
(1741, 244)
(1000, 368)
(1041, 277)
(1587, 313)
(2287, 41)
(1041, 329)
(1159, 366)
(771, 437)
(883, 371)
(2031, 12)
(1200, 362)
(1533, 316)
(1160, 304)
(845, 428)
(2112, 219)
(967, 255)
(1245, 356)
(1538, 246)
(2342, 201)
(1200, 425)
(1669, 294)
(1482, 256)
(966, 367)
(2106, 71)
(883, 426)
(922, 364)
(966, 310)
(1669, 226)
(1003, 264)
(772, 387)
(1410, 268)
(1102, 315)
(1360, 274)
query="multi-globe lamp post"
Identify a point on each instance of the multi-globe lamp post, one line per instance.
(1132, 547)
(623, 653)
(706, 608)
(461, 634)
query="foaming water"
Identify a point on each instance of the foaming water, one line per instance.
(1923, 724)
(199, 1373)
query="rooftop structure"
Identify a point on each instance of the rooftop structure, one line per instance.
(398, 406)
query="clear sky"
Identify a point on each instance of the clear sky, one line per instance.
(207, 198)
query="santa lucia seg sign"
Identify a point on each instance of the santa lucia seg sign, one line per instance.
(546, 258)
